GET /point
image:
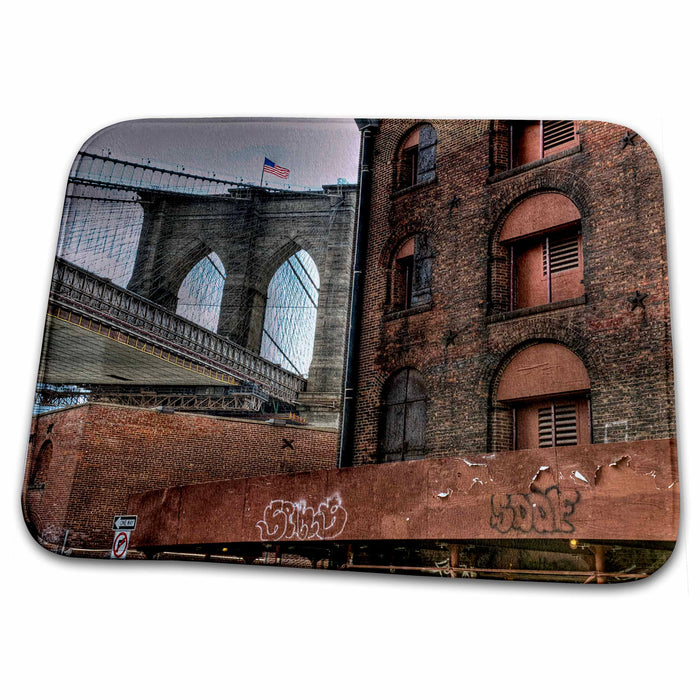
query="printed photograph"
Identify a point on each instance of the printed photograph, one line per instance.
(422, 347)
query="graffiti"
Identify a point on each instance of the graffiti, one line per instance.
(538, 511)
(297, 521)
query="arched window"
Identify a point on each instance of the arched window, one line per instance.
(200, 294)
(543, 239)
(410, 275)
(545, 387)
(416, 157)
(42, 462)
(403, 417)
(290, 314)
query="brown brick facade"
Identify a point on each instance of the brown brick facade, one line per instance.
(101, 454)
(464, 336)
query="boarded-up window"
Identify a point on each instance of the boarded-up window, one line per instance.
(552, 423)
(526, 143)
(557, 425)
(547, 387)
(417, 155)
(403, 417)
(543, 236)
(547, 269)
(532, 140)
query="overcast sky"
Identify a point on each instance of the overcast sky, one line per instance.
(316, 151)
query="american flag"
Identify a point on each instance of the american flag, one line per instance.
(275, 169)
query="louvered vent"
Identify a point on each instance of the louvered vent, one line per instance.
(563, 255)
(565, 422)
(564, 425)
(557, 133)
(545, 426)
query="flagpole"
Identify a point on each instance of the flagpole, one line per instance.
(262, 174)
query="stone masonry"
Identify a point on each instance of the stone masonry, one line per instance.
(253, 232)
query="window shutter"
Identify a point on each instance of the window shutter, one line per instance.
(565, 424)
(422, 271)
(393, 443)
(544, 426)
(404, 417)
(563, 254)
(526, 142)
(427, 148)
(564, 429)
(557, 134)
(396, 388)
(394, 417)
(414, 435)
(416, 417)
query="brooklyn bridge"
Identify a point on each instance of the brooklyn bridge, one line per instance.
(186, 291)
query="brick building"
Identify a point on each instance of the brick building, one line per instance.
(508, 404)
(85, 462)
(516, 291)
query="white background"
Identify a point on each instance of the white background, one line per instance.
(84, 629)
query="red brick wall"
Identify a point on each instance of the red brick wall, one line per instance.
(45, 501)
(626, 351)
(102, 454)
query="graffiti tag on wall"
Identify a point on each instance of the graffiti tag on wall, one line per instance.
(296, 521)
(537, 511)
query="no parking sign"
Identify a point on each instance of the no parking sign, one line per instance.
(120, 545)
(123, 525)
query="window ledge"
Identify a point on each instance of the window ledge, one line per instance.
(535, 164)
(412, 188)
(402, 313)
(530, 311)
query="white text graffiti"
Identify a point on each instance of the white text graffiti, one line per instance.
(297, 521)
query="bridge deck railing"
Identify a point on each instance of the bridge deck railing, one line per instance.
(86, 293)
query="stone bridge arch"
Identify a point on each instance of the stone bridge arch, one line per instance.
(291, 311)
(201, 291)
(253, 231)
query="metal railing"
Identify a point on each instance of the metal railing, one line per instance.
(75, 289)
(99, 170)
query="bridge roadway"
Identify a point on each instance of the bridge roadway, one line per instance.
(100, 333)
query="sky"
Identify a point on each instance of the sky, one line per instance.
(316, 151)
(102, 236)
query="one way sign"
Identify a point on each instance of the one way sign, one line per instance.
(124, 522)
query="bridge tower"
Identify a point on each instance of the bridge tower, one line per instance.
(254, 231)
